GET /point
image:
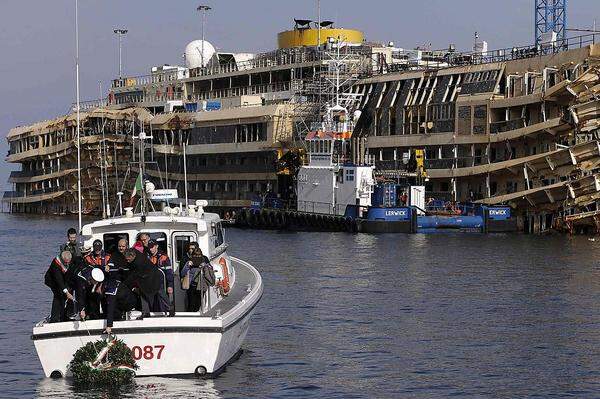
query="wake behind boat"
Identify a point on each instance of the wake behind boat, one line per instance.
(200, 342)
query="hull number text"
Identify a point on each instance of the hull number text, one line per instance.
(147, 352)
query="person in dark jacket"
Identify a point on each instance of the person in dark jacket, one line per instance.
(117, 265)
(72, 246)
(143, 277)
(163, 263)
(55, 279)
(201, 276)
(87, 295)
(119, 300)
(187, 255)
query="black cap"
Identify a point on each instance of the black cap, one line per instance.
(97, 244)
(152, 243)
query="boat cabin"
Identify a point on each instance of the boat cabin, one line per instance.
(173, 231)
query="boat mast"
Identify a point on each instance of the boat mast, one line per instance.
(78, 116)
(185, 172)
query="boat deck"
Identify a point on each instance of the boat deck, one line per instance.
(244, 278)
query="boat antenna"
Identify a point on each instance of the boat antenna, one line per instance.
(185, 172)
(318, 23)
(78, 116)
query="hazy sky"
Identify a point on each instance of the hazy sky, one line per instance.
(37, 38)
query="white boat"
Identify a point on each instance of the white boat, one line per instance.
(188, 342)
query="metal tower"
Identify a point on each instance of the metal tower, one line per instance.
(550, 16)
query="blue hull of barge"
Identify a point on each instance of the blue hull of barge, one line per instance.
(470, 223)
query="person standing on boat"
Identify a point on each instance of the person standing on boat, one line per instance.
(55, 280)
(200, 275)
(72, 246)
(118, 266)
(143, 277)
(163, 263)
(87, 294)
(187, 256)
(119, 300)
(142, 243)
(98, 258)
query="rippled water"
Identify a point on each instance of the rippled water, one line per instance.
(356, 316)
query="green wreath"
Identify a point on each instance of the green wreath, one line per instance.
(104, 362)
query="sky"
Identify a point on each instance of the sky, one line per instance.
(37, 40)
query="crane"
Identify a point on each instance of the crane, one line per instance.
(550, 16)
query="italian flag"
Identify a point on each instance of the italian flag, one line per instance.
(138, 186)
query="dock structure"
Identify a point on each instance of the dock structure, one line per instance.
(517, 126)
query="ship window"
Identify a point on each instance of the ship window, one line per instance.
(217, 235)
(111, 241)
(160, 238)
(349, 175)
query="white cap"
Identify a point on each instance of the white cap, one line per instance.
(97, 275)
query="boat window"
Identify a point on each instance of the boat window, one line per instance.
(111, 241)
(217, 235)
(160, 238)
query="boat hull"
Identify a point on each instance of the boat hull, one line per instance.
(187, 343)
(171, 349)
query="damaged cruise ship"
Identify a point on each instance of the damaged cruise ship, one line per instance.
(516, 127)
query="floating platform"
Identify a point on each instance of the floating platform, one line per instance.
(378, 220)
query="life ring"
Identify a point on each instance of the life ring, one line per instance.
(224, 283)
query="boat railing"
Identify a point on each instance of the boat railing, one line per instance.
(458, 208)
(324, 208)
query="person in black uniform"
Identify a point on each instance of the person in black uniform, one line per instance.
(119, 299)
(119, 267)
(87, 293)
(144, 278)
(55, 279)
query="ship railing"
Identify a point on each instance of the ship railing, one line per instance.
(391, 164)
(242, 91)
(163, 77)
(453, 163)
(90, 104)
(439, 195)
(32, 173)
(460, 208)
(505, 126)
(127, 98)
(265, 60)
(337, 127)
(48, 190)
(13, 194)
(445, 59)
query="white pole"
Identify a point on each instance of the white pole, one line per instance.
(185, 173)
(78, 116)
(120, 59)
(319, 23)
(203, 18)
(203, 9)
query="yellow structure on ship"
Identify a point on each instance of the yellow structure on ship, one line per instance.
(305, 36)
